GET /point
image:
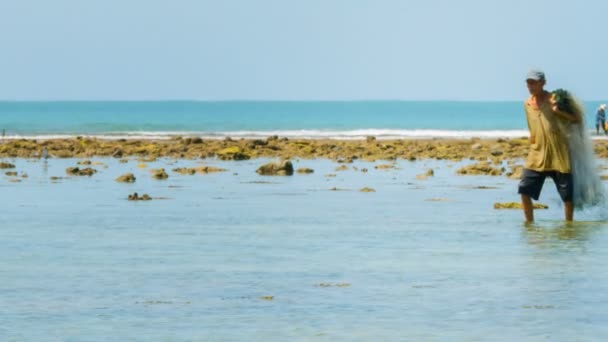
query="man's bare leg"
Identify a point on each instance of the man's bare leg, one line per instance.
(569, 211)
(526, 202)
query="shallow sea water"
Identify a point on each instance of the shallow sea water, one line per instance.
(238, 256)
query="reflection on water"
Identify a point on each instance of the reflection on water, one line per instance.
(45, 167)
(561, 273)
(548, 234)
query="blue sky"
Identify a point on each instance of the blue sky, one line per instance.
(299, 50)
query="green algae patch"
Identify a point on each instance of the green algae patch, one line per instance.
(232, 153)
(518, 205)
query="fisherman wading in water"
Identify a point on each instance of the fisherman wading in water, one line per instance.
(549, 153)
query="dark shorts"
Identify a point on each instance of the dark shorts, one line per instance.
(532, 183)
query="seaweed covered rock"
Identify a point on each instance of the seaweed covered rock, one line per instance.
(185, 170)
(384, 166)
(274, 147)
(72, 170)
(305, 170)
(126, 178)
(76, 171)
(135, 197)
(117, 153)
(209, 169)
(282, 168)
(201, 169)
(5, 165)
(159, 174)
(483, 168)
(424, 176)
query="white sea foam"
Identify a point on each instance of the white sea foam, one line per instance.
(381, 134)
(384, 134)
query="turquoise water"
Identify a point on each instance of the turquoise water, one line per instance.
(415, 260)
(354, 119)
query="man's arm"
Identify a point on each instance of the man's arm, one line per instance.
(574, 117)
(531, 138)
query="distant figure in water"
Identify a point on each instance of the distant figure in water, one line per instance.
(549, 153)
(600, 119)
(45, 165)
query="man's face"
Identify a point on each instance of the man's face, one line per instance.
(535, 87)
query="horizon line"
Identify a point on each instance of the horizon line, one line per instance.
(271, 100)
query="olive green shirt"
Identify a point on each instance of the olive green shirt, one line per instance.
(549, 143)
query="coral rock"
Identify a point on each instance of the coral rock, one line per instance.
(283, 168)
(305, 170)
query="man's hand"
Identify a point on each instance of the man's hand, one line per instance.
(572, 117)
(553, 102)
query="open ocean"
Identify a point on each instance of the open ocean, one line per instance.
(235, 256)
(252, 119)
